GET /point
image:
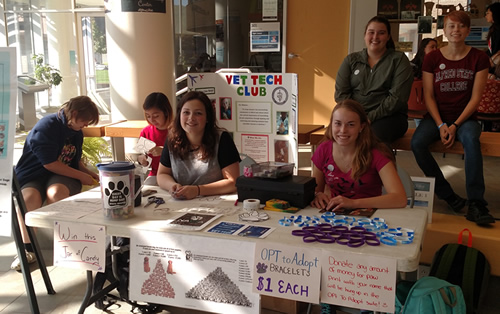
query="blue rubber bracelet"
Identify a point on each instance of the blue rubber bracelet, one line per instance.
(388, 241)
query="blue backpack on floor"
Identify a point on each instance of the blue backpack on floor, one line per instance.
(429, 295)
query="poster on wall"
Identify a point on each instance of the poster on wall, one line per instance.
(265, 37)
(8, 99)
(258, 109)
(195, 272)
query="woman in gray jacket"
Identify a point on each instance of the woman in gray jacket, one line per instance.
(379, 78)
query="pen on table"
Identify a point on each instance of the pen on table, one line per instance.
(236, 203)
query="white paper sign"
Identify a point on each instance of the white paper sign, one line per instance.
(8, 97)
(80, 246)
(287, 272)
(358, 281)
(195, 272)
(265, 37)
(424, 194)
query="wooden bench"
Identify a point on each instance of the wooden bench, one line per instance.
(445, 228)
(490, 143)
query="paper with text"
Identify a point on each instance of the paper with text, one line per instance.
(287, 272)
(358, 281)
(80, 246)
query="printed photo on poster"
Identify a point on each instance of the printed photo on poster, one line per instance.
(281, 151)
(214, 104)
(225, 108)
(282, 122)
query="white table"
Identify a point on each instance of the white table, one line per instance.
(407, 256)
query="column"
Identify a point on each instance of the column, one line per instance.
(140, 58)
(140, 44)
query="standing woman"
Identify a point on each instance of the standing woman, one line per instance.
(493, 16)
(454, 78)
(380, 79)
(200, 158)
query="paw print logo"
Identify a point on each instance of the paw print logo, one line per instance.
(117, 195)
(261, 268)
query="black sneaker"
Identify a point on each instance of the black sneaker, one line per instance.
(479, 213)
(455, 202)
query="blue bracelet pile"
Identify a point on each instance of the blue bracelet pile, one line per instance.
(347, 230)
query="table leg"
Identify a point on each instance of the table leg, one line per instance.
(118, 148)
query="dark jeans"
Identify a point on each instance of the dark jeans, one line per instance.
(468, 134)
(390, 128)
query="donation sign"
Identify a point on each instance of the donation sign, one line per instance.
(358, 281)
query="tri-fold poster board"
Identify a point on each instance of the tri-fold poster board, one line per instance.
(258, 109)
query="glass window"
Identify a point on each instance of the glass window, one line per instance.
(210, 35)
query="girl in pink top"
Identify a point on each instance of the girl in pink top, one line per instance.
(352, 165)
(158, 112)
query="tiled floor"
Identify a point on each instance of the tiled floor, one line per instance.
(70, 284)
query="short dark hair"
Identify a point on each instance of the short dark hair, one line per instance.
(160, 101)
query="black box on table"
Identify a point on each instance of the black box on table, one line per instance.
(297, 190)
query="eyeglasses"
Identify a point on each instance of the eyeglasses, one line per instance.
(253, 215)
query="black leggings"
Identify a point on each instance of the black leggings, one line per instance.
(390, 128)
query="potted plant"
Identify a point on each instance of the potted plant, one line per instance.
(46, 73)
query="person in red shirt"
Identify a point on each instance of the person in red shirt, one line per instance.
(158, 112)
(454, 78)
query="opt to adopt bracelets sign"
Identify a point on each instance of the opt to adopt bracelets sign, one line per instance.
(358, 281)
(287, 272)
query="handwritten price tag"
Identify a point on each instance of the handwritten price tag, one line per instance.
(79, 246)
(287, 272)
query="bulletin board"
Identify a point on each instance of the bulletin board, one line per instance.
(259, 110)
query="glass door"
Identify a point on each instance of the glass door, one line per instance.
(94, 64)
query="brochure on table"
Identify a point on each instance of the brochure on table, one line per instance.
(195, 272)
(258, 109)
(424, 194)
(8, 98)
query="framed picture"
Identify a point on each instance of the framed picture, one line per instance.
(440, 22)
(388, 9)
(425, 24)
(424, 194)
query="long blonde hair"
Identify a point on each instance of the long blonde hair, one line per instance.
(365, 142)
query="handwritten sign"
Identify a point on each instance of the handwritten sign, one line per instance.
(358, 281)
(80, 246)
(287, 272)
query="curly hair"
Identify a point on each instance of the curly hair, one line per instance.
(365, 142)
(179, 144)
